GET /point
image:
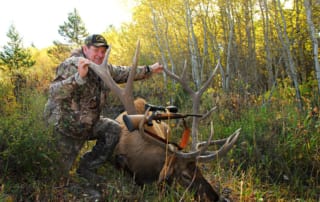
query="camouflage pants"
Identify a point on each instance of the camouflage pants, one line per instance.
(106, 132)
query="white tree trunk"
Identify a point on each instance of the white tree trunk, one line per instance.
(291, 67)
(313, 35)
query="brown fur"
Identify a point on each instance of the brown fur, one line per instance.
(148, 162)
(139, 103)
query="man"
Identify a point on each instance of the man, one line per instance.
(76, 98)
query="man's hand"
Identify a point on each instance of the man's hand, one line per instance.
(156, 68)
(83, 67)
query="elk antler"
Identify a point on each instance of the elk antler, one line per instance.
(125, 94)
(174, 148)
(201, 152)
(227, 145)
(195, 95)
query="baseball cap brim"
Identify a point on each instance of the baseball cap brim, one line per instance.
(100, 45)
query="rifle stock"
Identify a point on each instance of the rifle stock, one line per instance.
(132, 121)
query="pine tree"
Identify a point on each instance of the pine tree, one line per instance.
(14, 56)
(15, 59)
(73, 30)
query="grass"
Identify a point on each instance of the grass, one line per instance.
(277, 158)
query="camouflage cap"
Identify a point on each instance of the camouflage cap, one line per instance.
(96, 40)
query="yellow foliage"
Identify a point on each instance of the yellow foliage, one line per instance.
(43, 71)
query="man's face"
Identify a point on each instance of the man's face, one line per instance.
(95, 54)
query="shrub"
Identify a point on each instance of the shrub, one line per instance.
(26, 153)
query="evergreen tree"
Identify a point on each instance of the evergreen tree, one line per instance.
(16, 59)
(14, 56)
(73, 30)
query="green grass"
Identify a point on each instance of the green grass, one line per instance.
(277, 158)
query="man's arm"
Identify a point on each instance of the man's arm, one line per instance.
(120, 73)
(68, 78)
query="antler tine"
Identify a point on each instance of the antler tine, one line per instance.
(208, 156)
(129, 88)
(103, 72)
(106, 57)
(172, 148)
(219, 142)
(125, 94)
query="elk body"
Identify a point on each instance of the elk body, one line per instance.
(147, 161)
(151, 159)
(140, 157)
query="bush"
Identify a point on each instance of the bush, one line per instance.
(26, 153)
(278, 143)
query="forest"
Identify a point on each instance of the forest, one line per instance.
(265, 56)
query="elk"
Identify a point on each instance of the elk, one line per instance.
(149, 158)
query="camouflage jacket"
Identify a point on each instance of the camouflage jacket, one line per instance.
(74, 104)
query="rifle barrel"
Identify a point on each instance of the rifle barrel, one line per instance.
(165, 116)
(132, 121)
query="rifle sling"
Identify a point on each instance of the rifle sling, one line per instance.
(155, 136)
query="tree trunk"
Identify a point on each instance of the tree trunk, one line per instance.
(313, 35)
(193, 48)
(266, 29)
(291, 68)
(230, 41)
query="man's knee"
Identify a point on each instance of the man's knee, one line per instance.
(107, 132)
(106, 125)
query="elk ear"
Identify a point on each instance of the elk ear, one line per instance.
(167, 169)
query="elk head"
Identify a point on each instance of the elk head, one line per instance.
(182, 166)
(147, 154)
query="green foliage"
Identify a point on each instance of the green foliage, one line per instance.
(26, 154)
(277, 155)
(16, 59)
(74, 30)
(277, 142)
(7, 99)
(14, 56)
(59, 52)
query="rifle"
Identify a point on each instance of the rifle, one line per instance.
(132, 121)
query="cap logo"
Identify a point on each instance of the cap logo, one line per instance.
(99, 39)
